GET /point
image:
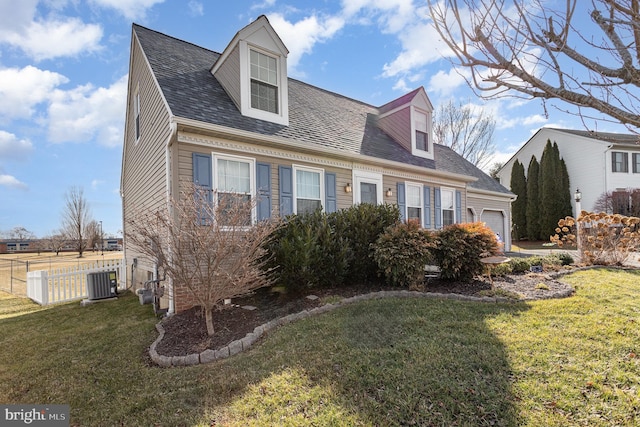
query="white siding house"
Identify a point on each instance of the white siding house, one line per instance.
(589, 157)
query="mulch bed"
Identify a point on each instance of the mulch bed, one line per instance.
(186, 333)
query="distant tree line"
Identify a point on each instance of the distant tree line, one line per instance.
(544, 195)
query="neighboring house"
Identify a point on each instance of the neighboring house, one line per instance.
(192, 113)
(597, 162)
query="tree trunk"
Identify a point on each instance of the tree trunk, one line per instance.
(209, 321)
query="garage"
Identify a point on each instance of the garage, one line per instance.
(494, 220)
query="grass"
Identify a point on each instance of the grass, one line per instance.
(379, 362)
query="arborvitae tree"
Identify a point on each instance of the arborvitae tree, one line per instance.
(549, 184)
(519, 206)
(533, 200)
(565, 191)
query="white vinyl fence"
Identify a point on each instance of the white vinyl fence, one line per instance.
(70, 283)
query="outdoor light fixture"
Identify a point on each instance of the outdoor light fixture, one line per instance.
(347, 188)
(389, 193)
(578, 195)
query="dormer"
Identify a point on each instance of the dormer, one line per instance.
(408, 120)
(253, 71)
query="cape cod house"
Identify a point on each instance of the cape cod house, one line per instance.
(192, 112)
(597, 162)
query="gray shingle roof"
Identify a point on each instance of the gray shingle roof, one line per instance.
(316, 117)
(615, 138)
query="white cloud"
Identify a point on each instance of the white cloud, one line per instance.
(16, 16)
(96, 183)
(130, 9)
(12, 182)
(300, 37)
(534, 119)
(85, 113)
(196, 8)
(444, 83)
(392, 15)
(55, 38)
(12, 148)
(21, 89)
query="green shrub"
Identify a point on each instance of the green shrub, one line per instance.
(519, 265)
(321, 249)
(459, 248)
(402, 252)
(560, 258)
(502, 269)
(360, 226)
(306, 253)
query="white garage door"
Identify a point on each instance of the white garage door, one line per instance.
(494, 220)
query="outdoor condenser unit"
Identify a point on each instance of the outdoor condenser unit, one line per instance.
(102, 285)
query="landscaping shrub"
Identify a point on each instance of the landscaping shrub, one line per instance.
(502, 269)
(402, 252)
(459, 248)
(306, 253)
(321, 249)
(360, 226)
(604, 239)
(519, 265)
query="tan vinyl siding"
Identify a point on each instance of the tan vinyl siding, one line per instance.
(398, 126)
(229, 75)
(144, 169)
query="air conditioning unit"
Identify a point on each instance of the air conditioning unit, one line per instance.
(102, 285)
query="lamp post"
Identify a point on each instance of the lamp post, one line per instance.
(578, 197)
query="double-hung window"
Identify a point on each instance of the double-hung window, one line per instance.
(422, 138)
(308, 189)
(264, 81)
(636, 162)
(447, 203)
(619, 161)
(414, 202)
(235, 189)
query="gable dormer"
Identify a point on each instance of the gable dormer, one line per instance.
(408, 120)
(253, 71)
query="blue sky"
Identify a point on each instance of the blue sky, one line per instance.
(63, 80)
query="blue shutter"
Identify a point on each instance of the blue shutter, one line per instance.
(330, 202)
(402, 202)
(203, 179)
(458, 207)
(286, 190)
(427, 207)
(438, 207)
(263, 182)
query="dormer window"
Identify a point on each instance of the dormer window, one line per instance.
(422, 137)
(264, 82)
(253, 72)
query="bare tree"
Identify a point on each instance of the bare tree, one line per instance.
(94, 239)
(495, 168)
(624, 202)
(467, 130)
(76, 218)
(21, 234)
(209, 248)
(55, 242)
(525, 48)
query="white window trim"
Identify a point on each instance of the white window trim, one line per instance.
(406, 197)
(294, 178)
(623, 153)
(252, 178)
(414, 150)
(442, 209)
(368, 178)
(282, 117)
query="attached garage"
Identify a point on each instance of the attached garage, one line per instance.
(495, 221)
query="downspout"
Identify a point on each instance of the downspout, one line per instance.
(173, 131)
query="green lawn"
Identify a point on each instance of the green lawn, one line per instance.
(380, 362)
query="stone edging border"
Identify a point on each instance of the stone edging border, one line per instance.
(235, 347)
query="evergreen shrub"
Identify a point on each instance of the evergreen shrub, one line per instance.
(402, 252)
(459, 248)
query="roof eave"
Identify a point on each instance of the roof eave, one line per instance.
(280, 142)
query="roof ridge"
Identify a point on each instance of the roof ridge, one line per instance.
(134, 25)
